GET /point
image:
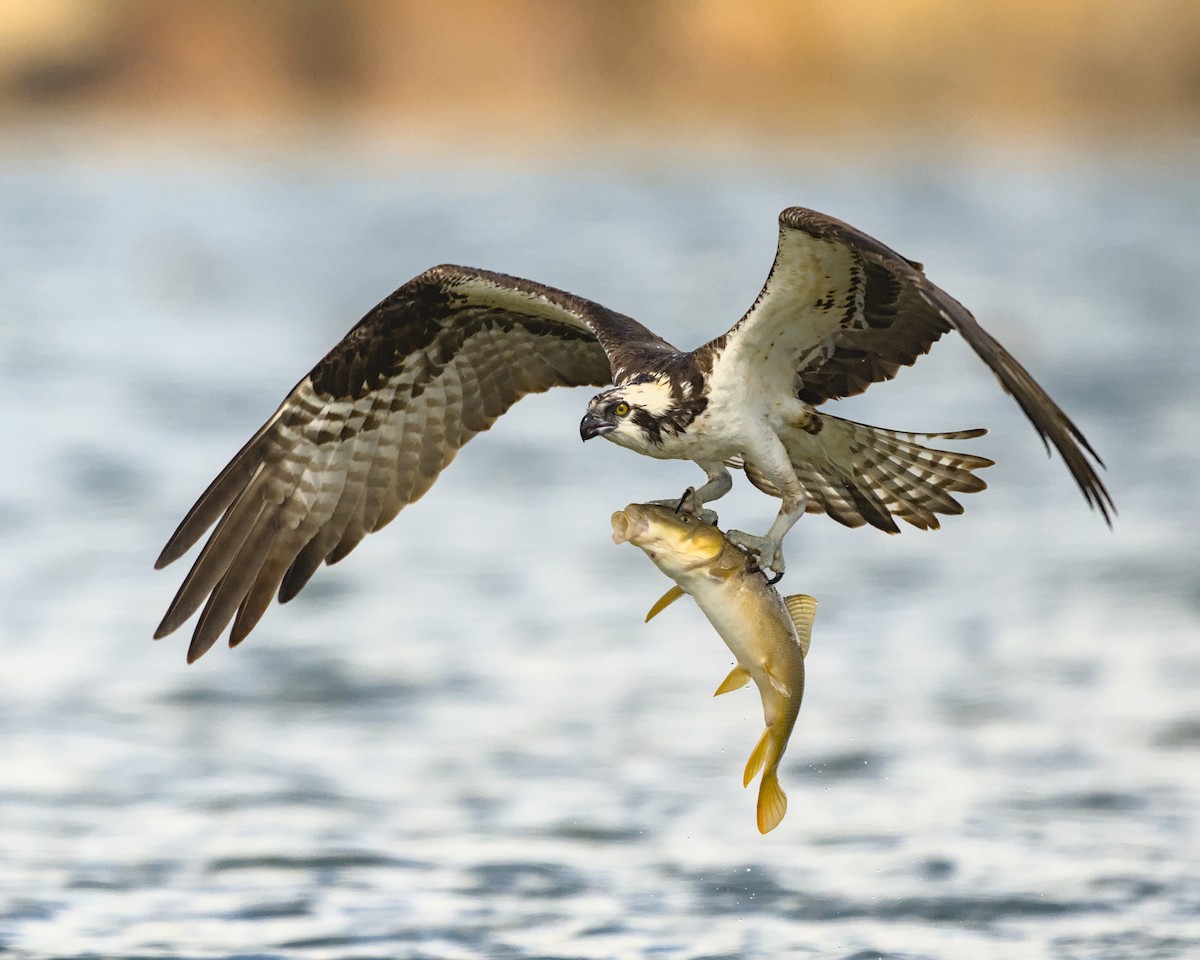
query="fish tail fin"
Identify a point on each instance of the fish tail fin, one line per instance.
(772, 802)
(757, 756)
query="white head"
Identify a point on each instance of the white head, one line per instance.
(633, 414)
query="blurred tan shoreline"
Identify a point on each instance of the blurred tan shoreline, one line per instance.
(505, 70)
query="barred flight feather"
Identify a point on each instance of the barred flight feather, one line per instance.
(375, 422)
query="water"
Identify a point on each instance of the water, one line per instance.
(463, 741)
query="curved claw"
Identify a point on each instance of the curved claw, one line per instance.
(690, 505)
(764, 552)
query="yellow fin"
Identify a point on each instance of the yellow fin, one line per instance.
(757, 756)
(772, 802)
(726, 566)
(664, 601)
(802, 610)
(738, 678)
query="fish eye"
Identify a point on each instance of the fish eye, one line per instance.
(621, 408)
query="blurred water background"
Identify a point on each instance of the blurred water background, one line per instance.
(463, 741)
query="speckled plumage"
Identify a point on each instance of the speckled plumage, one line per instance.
(371, 427)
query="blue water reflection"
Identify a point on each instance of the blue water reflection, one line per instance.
(463, 741)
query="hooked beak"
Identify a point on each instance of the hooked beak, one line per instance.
(594, 426)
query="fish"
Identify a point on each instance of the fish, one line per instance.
(768, 634)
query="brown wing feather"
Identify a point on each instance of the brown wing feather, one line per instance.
(371, 427)
(841, 311)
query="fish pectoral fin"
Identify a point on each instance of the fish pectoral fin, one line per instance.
(726, 567)
(664, 601)
(777, 682)
(757, 756)
(802, 609)
(772, 802)
(738, 678)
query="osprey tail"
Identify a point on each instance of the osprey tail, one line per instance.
(860, 474)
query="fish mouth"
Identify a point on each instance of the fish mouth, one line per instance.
(628, 524)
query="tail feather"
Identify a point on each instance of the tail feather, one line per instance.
(922, 507)
(834, 497)
(949, 466)
(868, 500)
(859, 474)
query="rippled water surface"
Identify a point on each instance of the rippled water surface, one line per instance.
(463, 741)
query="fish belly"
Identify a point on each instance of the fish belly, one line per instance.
(741, 628)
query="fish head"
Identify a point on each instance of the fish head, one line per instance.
(673, 539)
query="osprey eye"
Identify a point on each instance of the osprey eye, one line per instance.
(621, 409)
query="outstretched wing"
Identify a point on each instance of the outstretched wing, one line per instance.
(840, 311)
(373, 424)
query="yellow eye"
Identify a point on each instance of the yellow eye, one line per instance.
(621, 409)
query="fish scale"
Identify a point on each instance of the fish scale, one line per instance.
(767, 634)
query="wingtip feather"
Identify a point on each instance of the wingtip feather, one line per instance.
(202, 642)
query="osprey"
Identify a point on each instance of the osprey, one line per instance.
(369, 429)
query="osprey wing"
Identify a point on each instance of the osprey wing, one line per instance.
(841, 311)
(372, 425)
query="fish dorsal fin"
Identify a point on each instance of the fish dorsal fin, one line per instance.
(738, 678)
(664, 601)
(802, 609)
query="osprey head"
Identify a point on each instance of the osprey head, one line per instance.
(631, 413)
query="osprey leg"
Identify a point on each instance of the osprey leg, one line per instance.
(769, 549)
(718, 484)
(692, 502)
(770, 460)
